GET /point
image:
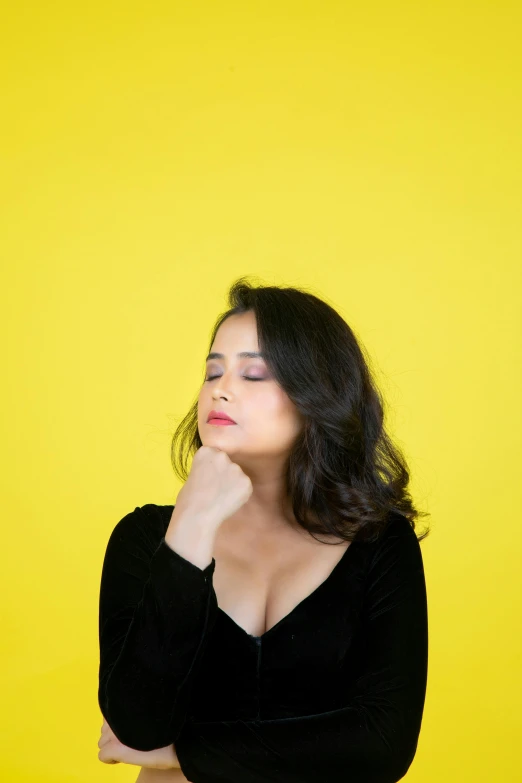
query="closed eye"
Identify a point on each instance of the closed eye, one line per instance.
(211, 378)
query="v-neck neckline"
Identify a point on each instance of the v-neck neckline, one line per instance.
(287, 617)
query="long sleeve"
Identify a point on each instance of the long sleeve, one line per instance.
(373, 737)
(156, 610)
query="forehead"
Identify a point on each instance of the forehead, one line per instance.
(237, 333)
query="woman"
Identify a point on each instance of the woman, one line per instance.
(234, 644)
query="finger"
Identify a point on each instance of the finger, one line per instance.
(106, 731)
(107, 757)
(140, 758)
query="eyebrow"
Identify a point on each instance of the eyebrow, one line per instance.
(241, 355)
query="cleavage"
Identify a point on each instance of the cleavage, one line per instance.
(257, 596)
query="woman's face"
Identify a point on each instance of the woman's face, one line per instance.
(267, 422)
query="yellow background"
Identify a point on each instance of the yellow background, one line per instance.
(150, 154)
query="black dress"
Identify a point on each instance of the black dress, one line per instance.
(333, 692)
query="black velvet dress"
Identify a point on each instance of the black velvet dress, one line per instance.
(333, 692)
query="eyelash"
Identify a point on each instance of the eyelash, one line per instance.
(211, 378)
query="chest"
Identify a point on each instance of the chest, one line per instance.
(286, 634)
(257, 588)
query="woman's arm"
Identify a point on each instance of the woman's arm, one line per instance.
(156, 609)
(161, 776)
(112, 751)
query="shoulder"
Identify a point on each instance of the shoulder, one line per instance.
(398, 541)
(399, 526)
(142, 527)
(394, 575)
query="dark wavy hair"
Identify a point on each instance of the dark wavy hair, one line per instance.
(344, 475)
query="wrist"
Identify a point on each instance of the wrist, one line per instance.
(192, 537)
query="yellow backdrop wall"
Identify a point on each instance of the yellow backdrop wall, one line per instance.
(152, 153)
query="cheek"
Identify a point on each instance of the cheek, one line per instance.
(283, 412)
(265, 411)
(272, 418)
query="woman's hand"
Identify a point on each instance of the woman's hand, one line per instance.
(112, 751)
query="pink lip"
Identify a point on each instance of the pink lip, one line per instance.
(221, 416)
(225, 422)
